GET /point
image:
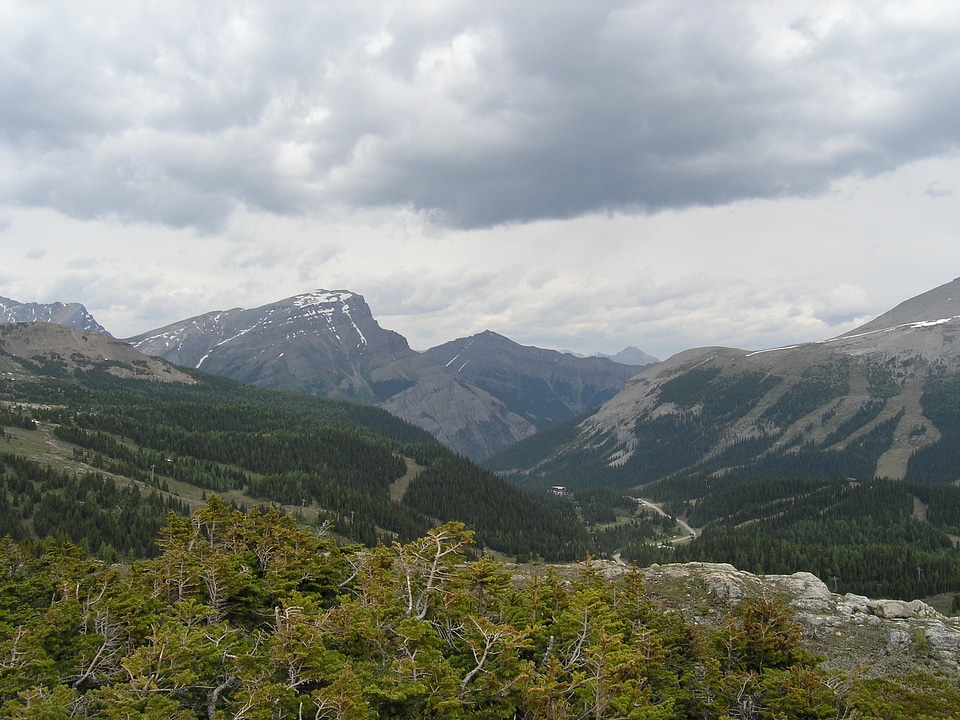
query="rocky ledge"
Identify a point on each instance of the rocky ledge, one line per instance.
(848, 631)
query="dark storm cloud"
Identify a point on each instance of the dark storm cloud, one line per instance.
(475, 114)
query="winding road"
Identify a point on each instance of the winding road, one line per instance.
(691, 532)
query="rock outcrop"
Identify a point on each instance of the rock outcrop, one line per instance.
(847, 630)
(876, 637)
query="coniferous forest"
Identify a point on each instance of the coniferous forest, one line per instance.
(868, 538)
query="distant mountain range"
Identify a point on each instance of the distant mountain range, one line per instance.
(630, 355)
(328, 343)
(542, 386)
(881, 400)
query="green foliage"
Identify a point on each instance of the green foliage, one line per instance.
(865, 414)
(92, 510)
(272, 446)
(819, 385)
(913, 697)
(17, 417)
(601, 505)
(249, 616)
(532, 450)
(858, 458)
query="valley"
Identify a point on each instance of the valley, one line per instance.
(729, 477)
(776, 460)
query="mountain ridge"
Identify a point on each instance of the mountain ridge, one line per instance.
(713, 408)
(72, 315)
(328, 343)
(60, 350)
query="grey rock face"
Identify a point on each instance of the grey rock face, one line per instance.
(898, 609)
(809, 592)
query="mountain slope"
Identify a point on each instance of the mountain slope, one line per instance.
(542, 386)
(327, 343)
(72, 315)
(855, 405)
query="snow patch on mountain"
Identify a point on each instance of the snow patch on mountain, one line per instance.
(321, 297)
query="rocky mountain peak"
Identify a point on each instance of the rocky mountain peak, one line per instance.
(73, 315)
(322, 297)
(632, 355)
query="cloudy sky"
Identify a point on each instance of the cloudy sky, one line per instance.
(584, 175)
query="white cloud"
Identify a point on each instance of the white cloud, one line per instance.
(582, 175)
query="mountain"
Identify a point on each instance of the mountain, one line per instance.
(477, 395)
(631, 355)
(72, 315)
(880, 400)
(544, 387)
(322, 343)
(327, 343)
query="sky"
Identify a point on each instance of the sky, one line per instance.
(573, 175)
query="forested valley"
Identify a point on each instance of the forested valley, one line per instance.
(134, 450)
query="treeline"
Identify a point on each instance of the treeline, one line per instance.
(819, 385)
(346, 470)
(857, 459)
(339, 452)
(938, 462)
(529, 452)
(95, 389)
(601, 505)
(16, 416)
(247, 616)
(619, 525)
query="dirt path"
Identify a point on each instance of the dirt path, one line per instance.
(398, 488)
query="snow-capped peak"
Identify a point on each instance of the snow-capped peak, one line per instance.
(322, 297)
